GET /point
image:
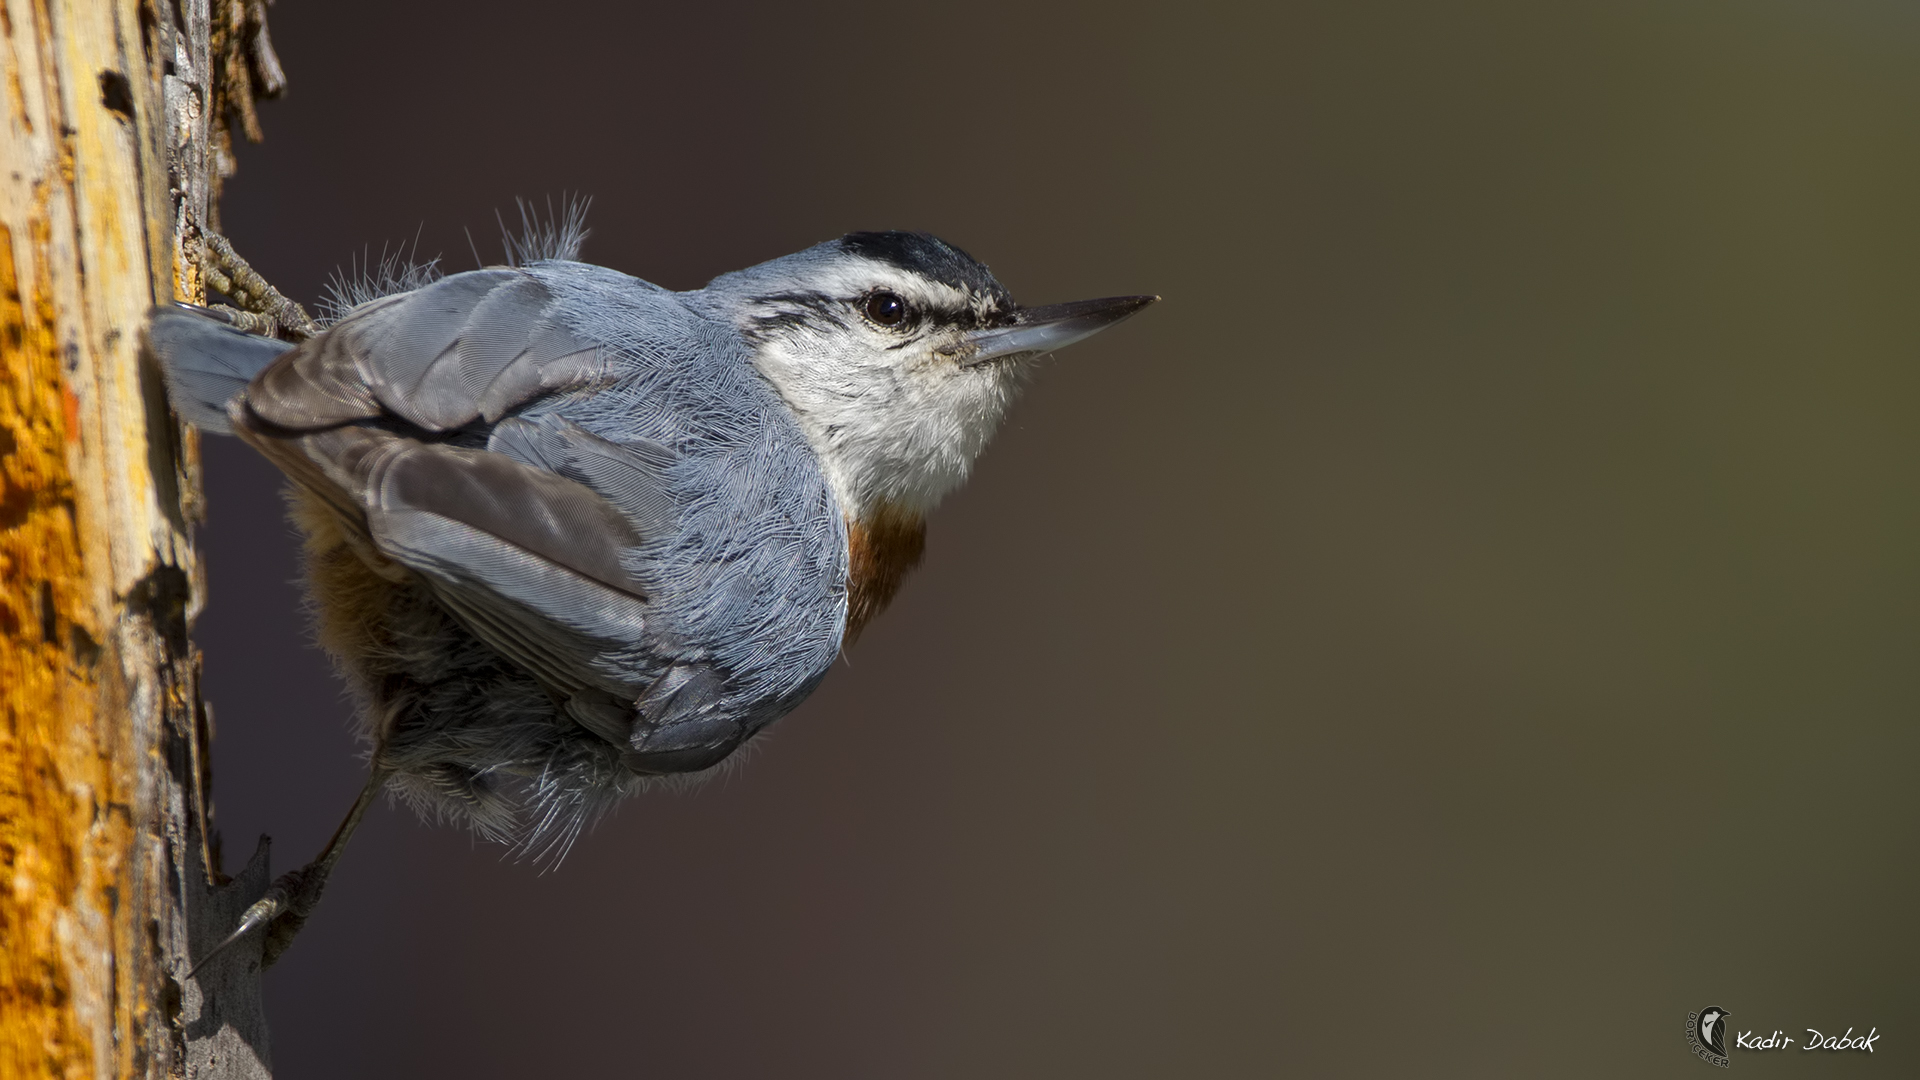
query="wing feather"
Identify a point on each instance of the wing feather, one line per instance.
(630, 475)
(473, 345)
(531, 542)
(402, 342)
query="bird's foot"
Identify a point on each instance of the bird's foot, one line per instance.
(282, 911)
(261, 308)
(293, 895)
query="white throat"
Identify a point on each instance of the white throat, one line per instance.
(890, 430)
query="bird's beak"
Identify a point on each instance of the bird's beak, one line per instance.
(1044, 329)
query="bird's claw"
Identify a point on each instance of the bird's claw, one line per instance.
(283, 910)
(262, 309)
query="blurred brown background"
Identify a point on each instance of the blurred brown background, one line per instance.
(1469, 625)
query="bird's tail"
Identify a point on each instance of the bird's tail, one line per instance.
(206, 362)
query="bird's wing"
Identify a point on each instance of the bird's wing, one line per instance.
(531, 540)
(469, 347)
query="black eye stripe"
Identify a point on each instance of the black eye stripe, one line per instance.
(805, 309)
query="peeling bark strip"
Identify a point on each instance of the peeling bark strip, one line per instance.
(110, 170)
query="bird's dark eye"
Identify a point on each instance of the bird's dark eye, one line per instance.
(887, 309)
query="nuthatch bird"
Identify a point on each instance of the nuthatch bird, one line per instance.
(568, 530)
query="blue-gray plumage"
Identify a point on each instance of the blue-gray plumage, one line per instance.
(569, 530)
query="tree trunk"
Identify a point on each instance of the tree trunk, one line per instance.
(114, 147)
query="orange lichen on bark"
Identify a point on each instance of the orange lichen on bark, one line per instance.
(882, 548)
(54, 784)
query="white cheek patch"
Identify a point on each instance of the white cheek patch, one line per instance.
(888, 427)
(891, 419)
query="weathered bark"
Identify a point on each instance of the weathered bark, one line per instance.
(114, 147)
